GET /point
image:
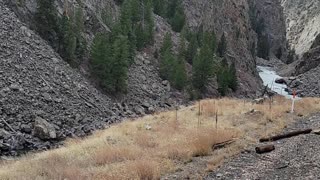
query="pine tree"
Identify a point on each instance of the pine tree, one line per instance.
(101, 55)
(180, 75)
(233, 81)
(171, 8)
(46, 20)
(81, 45)
(135, 10)
(140, 35)
(222, 46)
(159, 7)
(149, 23)
(227, 77)
(192, 49)
(178, 20)
(202, 68)
(167, 65)
(125, 26)
(167, 44)
(119, 71)
(223, 77)
(209, 38)
(67, 40)
(213, 42)
(182, 53)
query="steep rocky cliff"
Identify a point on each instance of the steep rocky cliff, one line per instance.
(303, 21)
(272, 14)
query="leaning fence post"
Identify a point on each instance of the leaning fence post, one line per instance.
(293, 99)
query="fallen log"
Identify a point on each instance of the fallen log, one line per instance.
(222, 144)
(286, 135)
(265, 149)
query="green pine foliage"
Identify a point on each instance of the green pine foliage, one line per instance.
(172, 10)
(111, 55)
(222, 46)
(227, 78)
(72, 44)
(192, 49)
(46, 21)
(159, 7)
(119, 65)
(178, 20)
(203, 68)
(64, 33)
(136, 20)
(101, 53)
(167, 59)
(68, 40)
(173, 68)
(110, 62)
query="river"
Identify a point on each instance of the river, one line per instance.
(268, 77)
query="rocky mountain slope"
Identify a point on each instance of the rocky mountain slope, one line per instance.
(43, 100)
(37, 85)
(223, 17)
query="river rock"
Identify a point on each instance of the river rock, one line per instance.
(281, 81)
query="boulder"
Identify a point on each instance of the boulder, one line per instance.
(43, 129)
(26, 128)
(139, 110)
(296, 83)
(281, 80)
(4, 133)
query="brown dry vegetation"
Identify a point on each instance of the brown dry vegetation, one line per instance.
(129, 151)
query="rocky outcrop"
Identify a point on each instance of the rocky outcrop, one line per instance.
(303, 21)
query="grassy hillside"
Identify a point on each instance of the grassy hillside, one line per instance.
(163, 143)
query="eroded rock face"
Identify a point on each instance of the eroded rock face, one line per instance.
(303, 22)
(275, 26)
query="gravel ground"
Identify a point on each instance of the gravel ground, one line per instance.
(294, 158)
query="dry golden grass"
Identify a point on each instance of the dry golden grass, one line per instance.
(129, 151)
